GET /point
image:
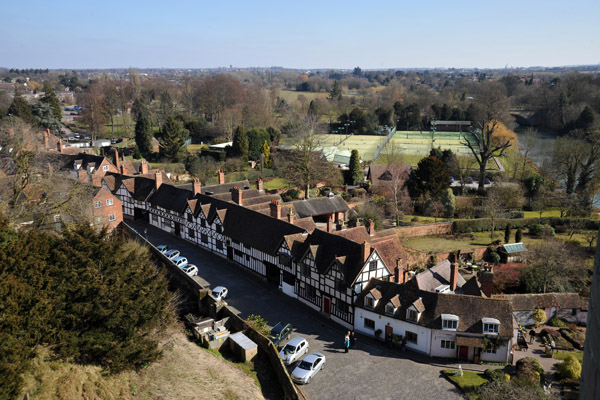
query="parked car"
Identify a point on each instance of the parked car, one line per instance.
(180, 261)
(451, 179)
(163, 248)
(190, 269)
(220, 292)
(294, 350)
(487, 181)
(171, 254)
(280, 333)
(469, 180)
(308, 368)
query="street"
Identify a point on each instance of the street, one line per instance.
(369, 371)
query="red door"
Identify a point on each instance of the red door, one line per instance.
(463, 352)
(326, 302)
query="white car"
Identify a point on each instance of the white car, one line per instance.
(163, 248)
(171, 254)
(308, 368)
(190, 269)
(180, 261)
(220, 292)
(294, 350)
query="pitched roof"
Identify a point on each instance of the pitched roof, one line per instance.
(470, 310)
(513, 248)
(171, 197)
(113, 180)
(384, 175)
(85, 159)
(526, 302)
(223, 188)
(436, 276)
(308, 224)
(319, 206)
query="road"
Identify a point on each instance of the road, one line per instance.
(369, 371)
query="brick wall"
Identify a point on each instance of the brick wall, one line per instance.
(101, 216)
(440, 228)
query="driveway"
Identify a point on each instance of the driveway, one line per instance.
(367, 372)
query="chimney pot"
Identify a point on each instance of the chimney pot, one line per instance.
(371, 228)
(221, 177)
(259, 184)
(144, 167)
(330, 223)
(366, 250)
(117, 162)
(196, 186)
(291, 216)
(236, 195)
(275, 209)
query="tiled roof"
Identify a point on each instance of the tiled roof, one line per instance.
(469, 309)
(526, 302)
(319, 206)
(436, 276)
(171, 198)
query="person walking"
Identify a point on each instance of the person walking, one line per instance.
(352, 339)
(531, 335)
(347, 342)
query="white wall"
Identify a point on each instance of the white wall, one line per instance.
(288, 289)
(436, 344)
(400, 328)
(502, 354)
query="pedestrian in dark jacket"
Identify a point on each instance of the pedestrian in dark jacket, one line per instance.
(347, 342)
(352, 339)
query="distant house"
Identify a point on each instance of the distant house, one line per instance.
(385, 179)
(512, 252)
(88, 168)
(568, 306)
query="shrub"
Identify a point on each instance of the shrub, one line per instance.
(541, 230)
(292, 194)
(258, 323)
(494, 257)
(495, 375)
(529, 372)
(556, 322)
(550, 333)
(570, 368)
(539, 316)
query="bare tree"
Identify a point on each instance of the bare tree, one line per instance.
(491, 113)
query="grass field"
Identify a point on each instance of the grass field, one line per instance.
(291, 96)
(468, 382)
(365, 144)
(563, 355)
(275, 183)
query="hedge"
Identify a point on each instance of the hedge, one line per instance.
(485, 224)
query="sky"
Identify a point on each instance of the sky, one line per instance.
(306, 35)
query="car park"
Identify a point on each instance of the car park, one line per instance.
(180, 261)
(308, 368)
(280, 333)
(190, 269)
(220, 292)
(171, 254)
(294, 350)
(163, 248)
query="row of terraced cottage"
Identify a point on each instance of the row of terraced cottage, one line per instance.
(354, 276)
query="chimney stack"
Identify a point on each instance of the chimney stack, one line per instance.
(399, 273)
(366, 250)
(453, 276)
(96, 180)
(221, 177)
(46, 134)
(275, 209)
(123, 170)
(236, 195)
(291, 216)
(157, 179)
(259, 184)
(117, 161)
(371, 228)
(144, 167)
(486, 280)
(196, 186)
(60, 146)
(330, 223)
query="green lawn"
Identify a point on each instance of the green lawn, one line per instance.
(468, 382)
(545, 213)
(195, 148)
(480, 239)
(275, 183)
(563, 355)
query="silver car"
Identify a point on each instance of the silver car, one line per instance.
(308, 368)
(294, 350)
(171, 254)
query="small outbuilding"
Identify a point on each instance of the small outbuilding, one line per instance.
(243, 348)
(512, 252)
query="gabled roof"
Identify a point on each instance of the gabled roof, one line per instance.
(513, 248)
(308, 224)
(527, 302)
(171, 198)
(113, 181)
(319, 206)
(436, 276)
(385, 174)
(395, 301)
(470, 310)
(375, 293)
(85, 160)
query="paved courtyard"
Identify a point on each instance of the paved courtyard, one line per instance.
(367, 372)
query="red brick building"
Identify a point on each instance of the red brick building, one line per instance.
(106, 209)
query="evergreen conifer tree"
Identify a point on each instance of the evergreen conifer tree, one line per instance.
(172, 139)
(240, 144)
(507, 232)
(518, 236)
(266, 152)
(51, 99)
(356, 173)
(20, 108)
(143, 135)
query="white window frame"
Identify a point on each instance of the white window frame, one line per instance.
(409, 315)
(495, 328)
(105, 167)
(390, 309)
(112, 217)
(369, 302)
(449, 322)
(370, 320)
(448, 344)
(97, 204)
(109, 202)
(98, 219)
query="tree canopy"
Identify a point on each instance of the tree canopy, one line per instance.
(88, 296)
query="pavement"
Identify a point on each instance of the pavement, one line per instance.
(368, 371)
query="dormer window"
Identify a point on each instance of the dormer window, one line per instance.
(491, 326)
(369, 302)
(412, 315)
(76, 166)
(105, 167)
(449, 322)
(390, 309)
